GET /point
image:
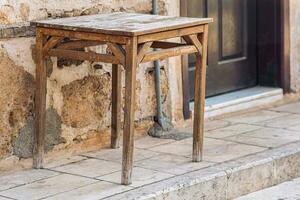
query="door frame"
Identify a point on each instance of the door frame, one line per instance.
(285, 76)
(282, 50)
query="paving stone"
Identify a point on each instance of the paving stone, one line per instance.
(294, 128)
(177, 148)
(115, 155)
(172, 164)
(210, 125)
(253, 117)
(64, 161)
(218, 150)
(188, 141)
(148, 142)
(285, 122)
(4, 198)
(93, 191)
(90, 168)
(290, 108)
(231, 130)
(140, 177)
(221, 151)
(47, 187)
(267, 137)
(215, 150)
(24, 177)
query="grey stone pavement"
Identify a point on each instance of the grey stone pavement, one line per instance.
(96, 175)
(286, 191)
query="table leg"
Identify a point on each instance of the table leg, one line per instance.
(128, 134)
(200, 79)
(40, 103)
(116, 106)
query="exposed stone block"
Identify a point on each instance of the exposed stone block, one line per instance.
(86, 101)
(17, 30)
(23, 145)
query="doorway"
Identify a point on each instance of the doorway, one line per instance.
(248, 45)
(232, 45)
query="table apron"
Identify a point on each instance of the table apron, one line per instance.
(170, 34)
(85, 35)
(79, 55)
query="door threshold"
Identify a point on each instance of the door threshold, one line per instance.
(240, 100)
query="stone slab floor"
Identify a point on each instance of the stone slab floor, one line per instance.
(96, 175)
(289, 190)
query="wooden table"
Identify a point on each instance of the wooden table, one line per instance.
(131, 38)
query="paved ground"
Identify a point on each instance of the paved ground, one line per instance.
(96, 175)
(285, 191)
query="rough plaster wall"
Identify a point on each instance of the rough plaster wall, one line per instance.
(78, 97)
(16, 100)
(295, 44)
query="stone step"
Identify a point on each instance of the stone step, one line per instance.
(240, 100)
(227, 180)
(289, 190)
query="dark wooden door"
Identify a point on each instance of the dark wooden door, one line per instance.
(232, 44)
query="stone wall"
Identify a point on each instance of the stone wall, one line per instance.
(78, 98)
(295, 44)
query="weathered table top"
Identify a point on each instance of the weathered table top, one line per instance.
(126, 24)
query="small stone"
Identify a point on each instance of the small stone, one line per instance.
(24, 11)
(8, 32)
(98, 66)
